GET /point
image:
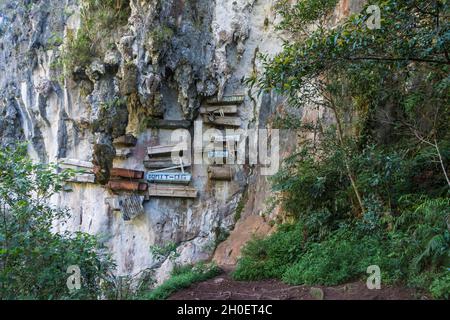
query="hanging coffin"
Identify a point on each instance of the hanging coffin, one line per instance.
(123, 185)
(131, 206)
(221, 173)
(219, 109)
(169, 124)
(172, 191)
(223, 121)
(126, 173)
(169, 177)
(229, 138)
(124, 153)
(236, 99)
(162, 163)
(82, 178)
(165, 149)
(75, 164)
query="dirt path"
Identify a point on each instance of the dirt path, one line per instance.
(225, 288)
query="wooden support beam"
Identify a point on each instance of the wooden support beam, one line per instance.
(172, 191)
(221, 173)
(234, 99)
(123, 185)
(224, 121)
(82, 178)
(219, 109)
(161, 163)
(126, 173)
(165, 149)
(169, 177)
(169, 124)
(126, 141)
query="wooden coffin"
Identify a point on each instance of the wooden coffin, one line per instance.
(168, 177)
(223, 121)
(126, 173)
(123, 185)
(75, 163)
(234, 99)
(82, 178)
(219, 109)
(124, 153)
(126, 141)
(162, 163)
(131, 206)
(221, 173)
(227, 138)
(169, 124)
(172, 191)
(165, 149)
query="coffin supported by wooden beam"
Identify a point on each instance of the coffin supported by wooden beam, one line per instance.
(124, 153)
(126, 141)
(232, 108)
(235, 99)
(75, 163)
(123, 185)
(169, 177)
(165, 149)
(172, 191)
(223, 121)
(169, 124)
(126, 173)
(221, 173)
(82, 178)
(162, 162)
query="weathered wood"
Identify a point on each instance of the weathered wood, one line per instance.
(161, 163)
(219, 109)
(126, 173)
(124, 153)
(126, 140)
(221, 173)
(212, 154)
(82, 178)
(234, 99)
(131, 206)
(75, 163)
(167, 149)
(224, 121)
(172, 191)
(113, 203)
(123, 185)
(169, 124)
(229, 138)
(168, 177)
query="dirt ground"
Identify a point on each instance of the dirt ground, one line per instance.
(225, 288)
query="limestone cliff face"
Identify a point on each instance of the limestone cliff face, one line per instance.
(168, 58)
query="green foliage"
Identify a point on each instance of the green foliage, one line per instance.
(182, 277)
(440, 288)
(33, 258)
(161, 252)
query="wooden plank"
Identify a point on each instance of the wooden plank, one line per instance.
(172, 191)
(75, 163)
(82, 178)
(221, 173)
(169, 124)
(219, 109)
(168, 177)
(126, 173)
(232, 99)
(165, 149)
(229, 138)
(126, 140)
(124, 153)
(123, 185)
(218, 154)
(157, 163)
(224, 121)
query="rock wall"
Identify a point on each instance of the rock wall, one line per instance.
(170, 57)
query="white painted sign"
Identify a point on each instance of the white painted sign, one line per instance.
(174, 177)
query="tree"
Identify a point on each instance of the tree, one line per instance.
(34, 259)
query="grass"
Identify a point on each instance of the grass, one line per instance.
(181, 278)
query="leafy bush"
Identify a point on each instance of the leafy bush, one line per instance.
(182, 278)
(33, 258)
